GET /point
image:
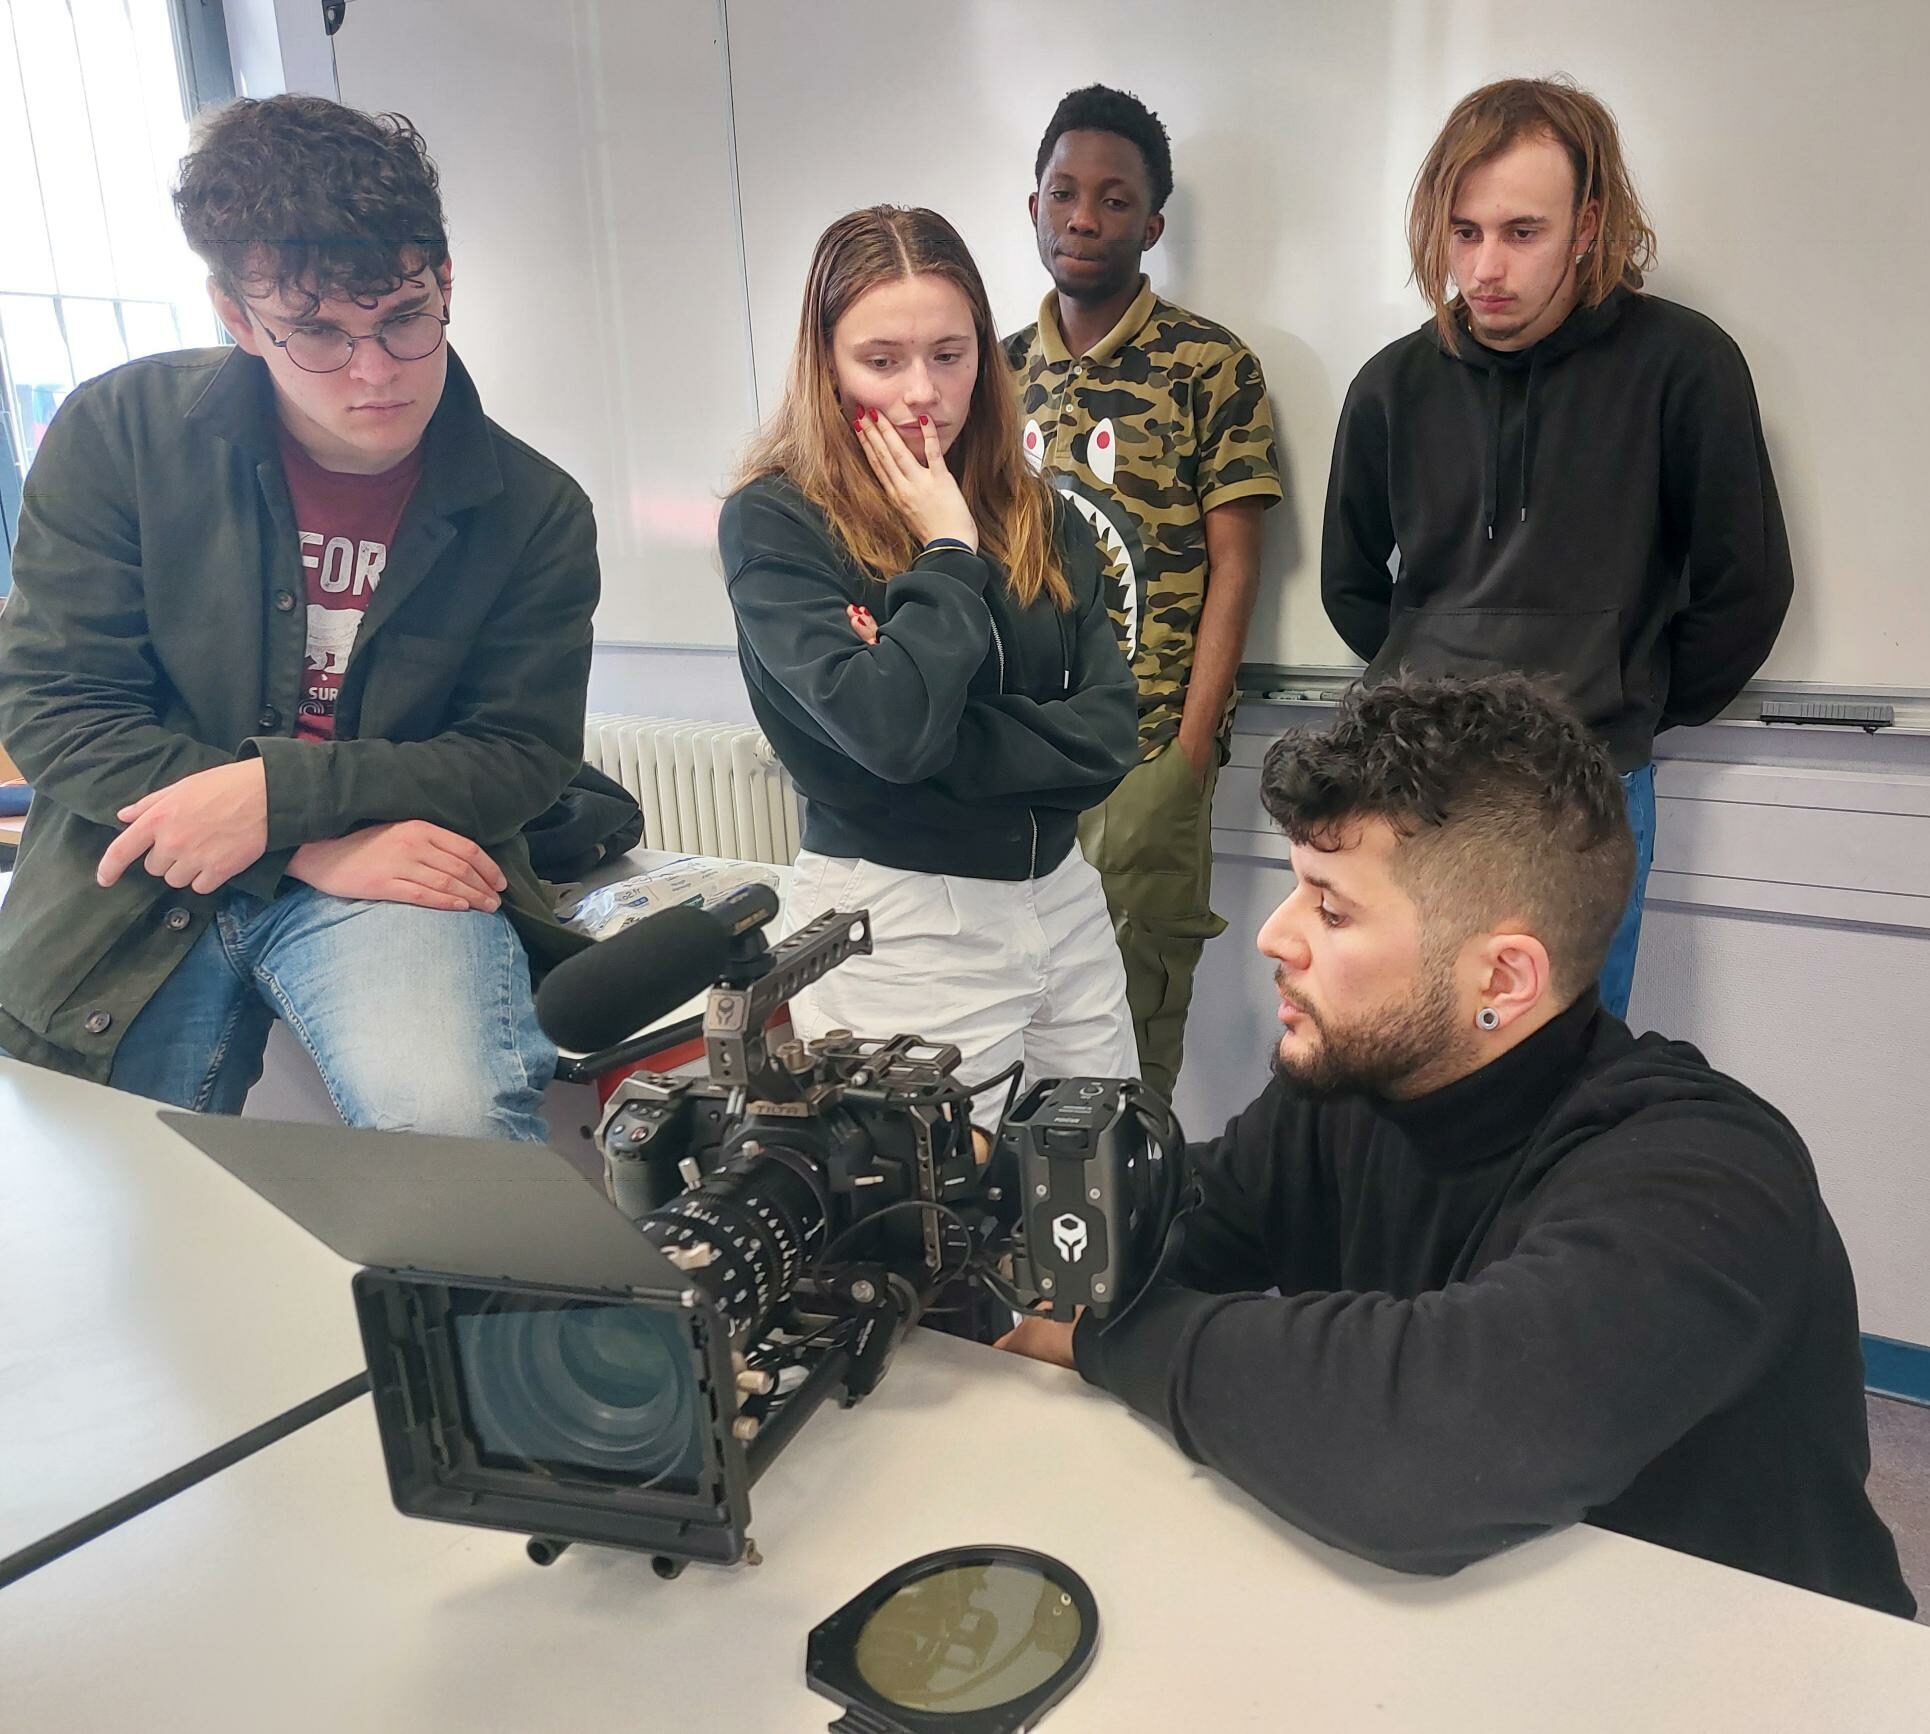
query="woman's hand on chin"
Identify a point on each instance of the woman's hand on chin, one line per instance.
(922, 487)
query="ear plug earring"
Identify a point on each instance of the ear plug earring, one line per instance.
(1488, 1018)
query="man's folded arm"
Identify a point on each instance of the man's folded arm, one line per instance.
(1428, 1433)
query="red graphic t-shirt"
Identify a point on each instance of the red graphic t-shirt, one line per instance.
(346, 524)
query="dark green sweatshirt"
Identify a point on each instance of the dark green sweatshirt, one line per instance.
(971, 736)
(155, 629)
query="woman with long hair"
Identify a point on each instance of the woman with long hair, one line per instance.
(924, 632)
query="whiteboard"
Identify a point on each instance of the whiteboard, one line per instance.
(585, 151)
(1780, 146)
(689, 152)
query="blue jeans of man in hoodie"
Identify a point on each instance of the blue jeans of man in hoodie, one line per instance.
(1618, 971)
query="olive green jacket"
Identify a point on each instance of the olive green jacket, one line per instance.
(157, 628)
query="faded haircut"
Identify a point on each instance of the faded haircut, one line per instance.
(1509, 811)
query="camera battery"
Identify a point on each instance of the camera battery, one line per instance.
(1072, 1142)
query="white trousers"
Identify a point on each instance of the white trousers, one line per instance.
(1002, 969)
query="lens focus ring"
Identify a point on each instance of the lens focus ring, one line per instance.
(756, 1222)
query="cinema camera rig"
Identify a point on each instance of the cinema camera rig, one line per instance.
(541, 1363)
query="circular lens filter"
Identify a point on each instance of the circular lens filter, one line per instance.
(972, 1640)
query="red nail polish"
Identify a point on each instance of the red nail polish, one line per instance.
(924, 421)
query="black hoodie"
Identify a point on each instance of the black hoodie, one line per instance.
(971, 737)
(1598, 508)
(1593, 1280)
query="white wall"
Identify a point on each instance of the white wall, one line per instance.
(1778, 146)
(586, 171)
(1831, 1024)
(279, 45)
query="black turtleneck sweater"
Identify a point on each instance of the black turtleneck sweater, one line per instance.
(1594, 1280)
(1597, 509)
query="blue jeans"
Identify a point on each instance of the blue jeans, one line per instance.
(1618, 971)
(419, 1020)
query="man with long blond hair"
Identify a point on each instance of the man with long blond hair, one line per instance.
(1571, 471)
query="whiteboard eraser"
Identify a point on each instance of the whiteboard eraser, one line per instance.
(1840, 713)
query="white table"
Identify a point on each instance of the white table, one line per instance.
(286, 1593)
(152, 1309)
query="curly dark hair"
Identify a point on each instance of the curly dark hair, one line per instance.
(1509, 810)
(1100, 108)
(311, 197)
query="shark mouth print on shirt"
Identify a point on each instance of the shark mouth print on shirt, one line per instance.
(1121, 553)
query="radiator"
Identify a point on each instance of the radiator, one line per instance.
(705, 788)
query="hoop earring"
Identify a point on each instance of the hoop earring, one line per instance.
(1488, 1018)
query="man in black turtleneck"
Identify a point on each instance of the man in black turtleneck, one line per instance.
(1572, 471)
(1530, 1268)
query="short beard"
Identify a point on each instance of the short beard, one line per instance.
(1514, 328)
(1382, 1056)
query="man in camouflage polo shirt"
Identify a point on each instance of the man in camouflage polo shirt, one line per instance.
(1154, 422)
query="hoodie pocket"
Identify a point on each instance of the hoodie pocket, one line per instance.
(1578, 651)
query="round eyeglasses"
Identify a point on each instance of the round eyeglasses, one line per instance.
(324, 349)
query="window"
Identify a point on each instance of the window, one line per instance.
(94, 100)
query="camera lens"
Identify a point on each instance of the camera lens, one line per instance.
(580, 1388)
(751, 1225)
(607, 1359)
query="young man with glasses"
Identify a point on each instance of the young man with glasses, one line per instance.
(298, 643)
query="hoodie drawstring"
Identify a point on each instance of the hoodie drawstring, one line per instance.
(1582, 326)
(1491, 467)
(1528, 433)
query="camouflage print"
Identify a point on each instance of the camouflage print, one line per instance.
(1157, 424)
(1147, 432)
